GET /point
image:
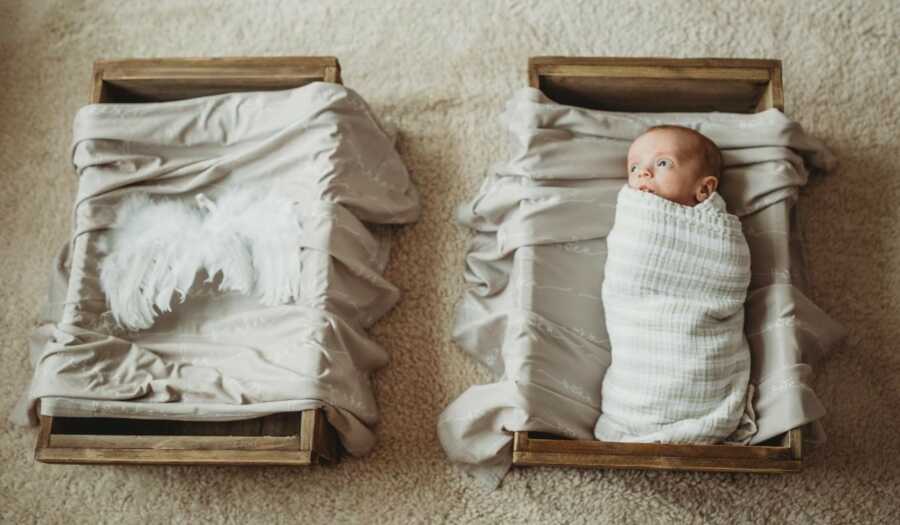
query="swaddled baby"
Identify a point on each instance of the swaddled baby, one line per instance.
(677, 273)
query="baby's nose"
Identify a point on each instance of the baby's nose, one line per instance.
(645, 173)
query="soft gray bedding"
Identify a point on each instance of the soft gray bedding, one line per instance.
(225, 355)
(533, 315)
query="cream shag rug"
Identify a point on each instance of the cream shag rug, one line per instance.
(441, 71)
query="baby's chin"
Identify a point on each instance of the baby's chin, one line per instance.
(643, 187)
(686, 200)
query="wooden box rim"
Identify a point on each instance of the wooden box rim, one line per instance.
(194, 77)
(671, 74)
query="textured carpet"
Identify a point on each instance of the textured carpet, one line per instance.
(441, 74)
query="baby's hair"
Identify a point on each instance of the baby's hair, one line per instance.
(711, 153)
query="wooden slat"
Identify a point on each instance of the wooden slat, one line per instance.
(755, 75)
(655, 462)
(710, 62)
(777, 89)
(659, 84)
(773, 96)
(521, 441)
(43, 440)
(176, 442)
(333, 74)
(174, 457)
(795, 442)
(223, 68)
(308, 424)
(530, 451)
(563, 446)
(187, 447)
(97, 94)
(154, 80)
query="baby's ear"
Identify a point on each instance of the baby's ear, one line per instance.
(707, 186)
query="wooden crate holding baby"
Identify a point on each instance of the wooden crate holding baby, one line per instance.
(295, 438)
(660, 85)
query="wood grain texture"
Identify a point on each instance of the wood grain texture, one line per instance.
(795, 443)
(174, 457)
(615, 461)
(709, 62)
(653, 449)
(530, 451)
(177, 442)
(43, 439)
(279, 439)
(108, 440)
(660, 85)
(157, 80)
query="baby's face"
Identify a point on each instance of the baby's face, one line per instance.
(668, 163)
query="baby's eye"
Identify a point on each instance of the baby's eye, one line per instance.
(633, 168)
(664, 163)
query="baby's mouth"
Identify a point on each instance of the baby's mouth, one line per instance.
(646, 189)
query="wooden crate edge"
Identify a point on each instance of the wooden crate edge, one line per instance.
(773, 95)
(526, 454)
(548, 459)
(317, 444)
(326, 67)
(718, 62)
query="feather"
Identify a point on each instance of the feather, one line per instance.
(224, 252)
(248, 240)
(141, 270)
(269, 228)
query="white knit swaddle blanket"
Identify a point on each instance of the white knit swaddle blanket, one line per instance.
(676, 281)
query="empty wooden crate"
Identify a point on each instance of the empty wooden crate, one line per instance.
(295, 438)
(660, 85)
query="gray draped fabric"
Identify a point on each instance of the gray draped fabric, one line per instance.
(221, 356)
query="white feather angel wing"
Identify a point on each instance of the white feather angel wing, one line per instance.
(248, 241)
(149, 259)
(270, 230)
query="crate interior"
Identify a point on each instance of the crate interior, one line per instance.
(642, 86)
(284, 424)
(640, 95)
(144, 90)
